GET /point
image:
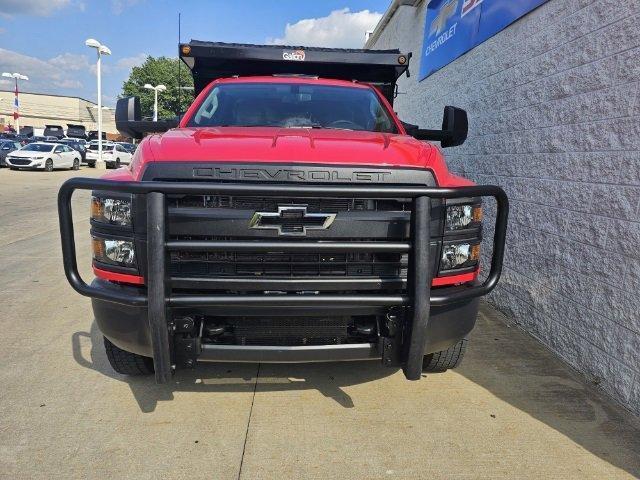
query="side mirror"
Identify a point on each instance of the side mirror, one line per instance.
(455, 127)
(129, 120)
(128, 110)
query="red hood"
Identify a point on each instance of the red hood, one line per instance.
(299, 145)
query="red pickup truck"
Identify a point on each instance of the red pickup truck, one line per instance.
(289, 216)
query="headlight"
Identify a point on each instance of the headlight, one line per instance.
(459, 255)
(38, 158)
(112, 211)
(114, 252)
(460, 217)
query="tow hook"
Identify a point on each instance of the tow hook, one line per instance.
(390, 341)
(186, 341)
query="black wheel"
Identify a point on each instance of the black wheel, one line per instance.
(91, 164)
(48, 165)
(76, 164)
(445, 359)
(127, 363)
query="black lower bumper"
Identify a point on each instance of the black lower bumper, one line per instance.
(128, 328)
(156, 306)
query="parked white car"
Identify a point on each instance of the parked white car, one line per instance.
(113, 154)
(44, 156)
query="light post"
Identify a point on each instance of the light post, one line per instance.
(104, 109)
(156, 89)
(16, 105)
(100, 50)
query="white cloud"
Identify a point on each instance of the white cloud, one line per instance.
(57, 75)
(68, 83)
(118, 6)
(31, 7)
(127, 63)
(71, 62)
(341, 28)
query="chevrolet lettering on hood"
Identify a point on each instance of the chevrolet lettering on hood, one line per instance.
(294, 175)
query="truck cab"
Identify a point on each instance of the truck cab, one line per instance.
(290, 216)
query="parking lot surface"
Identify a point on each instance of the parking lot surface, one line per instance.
(511, 411)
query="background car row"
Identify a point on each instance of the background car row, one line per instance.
(114, 154)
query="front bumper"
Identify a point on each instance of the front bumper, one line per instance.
(127, 327)
(32, 164)
(157, 303)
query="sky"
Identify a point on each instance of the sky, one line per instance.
(44, 39)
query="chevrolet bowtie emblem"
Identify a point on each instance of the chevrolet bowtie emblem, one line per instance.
(292, 220)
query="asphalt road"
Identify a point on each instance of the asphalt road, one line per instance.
(511, 411)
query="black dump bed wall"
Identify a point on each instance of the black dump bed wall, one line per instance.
(211, 60)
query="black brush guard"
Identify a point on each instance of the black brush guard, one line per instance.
(160, 299)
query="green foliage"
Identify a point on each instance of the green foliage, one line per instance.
(156, 71)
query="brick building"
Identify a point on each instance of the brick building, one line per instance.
(554, 109)
(38, 110)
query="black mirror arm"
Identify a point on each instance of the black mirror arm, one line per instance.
(433, 135)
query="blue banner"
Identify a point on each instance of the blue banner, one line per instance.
(453, 27)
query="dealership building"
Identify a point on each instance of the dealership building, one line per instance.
(38, 110)
(552, 92)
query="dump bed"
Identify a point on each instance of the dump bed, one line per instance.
(211, 60)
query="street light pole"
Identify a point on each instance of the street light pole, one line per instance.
(16, 105)
(100, 50)
(156, 89)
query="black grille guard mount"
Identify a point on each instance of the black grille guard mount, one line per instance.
(159, 298)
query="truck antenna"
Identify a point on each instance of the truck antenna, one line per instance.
(179, 77)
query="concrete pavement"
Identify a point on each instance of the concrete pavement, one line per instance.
(511, 411)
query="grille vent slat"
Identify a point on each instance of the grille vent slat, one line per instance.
(279, 264)
(314, 205)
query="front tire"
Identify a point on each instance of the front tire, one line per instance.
(445, 359)
(76, 164)
(91, 164)
(48, 165)
(127, 363)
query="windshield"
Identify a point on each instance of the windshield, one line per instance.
(37, 147)
(293, 106)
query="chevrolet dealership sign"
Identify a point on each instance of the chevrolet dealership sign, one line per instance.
(453, 27)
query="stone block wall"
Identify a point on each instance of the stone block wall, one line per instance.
(554, 110)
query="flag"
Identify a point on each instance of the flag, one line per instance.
(16, 105)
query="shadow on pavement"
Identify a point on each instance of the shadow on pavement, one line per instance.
(231, 377)
(501, 359)
(515, 368)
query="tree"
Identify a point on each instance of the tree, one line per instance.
(156, 71)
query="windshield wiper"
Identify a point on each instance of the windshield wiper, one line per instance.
(308, 125)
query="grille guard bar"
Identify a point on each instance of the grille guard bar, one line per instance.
(159, 297)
